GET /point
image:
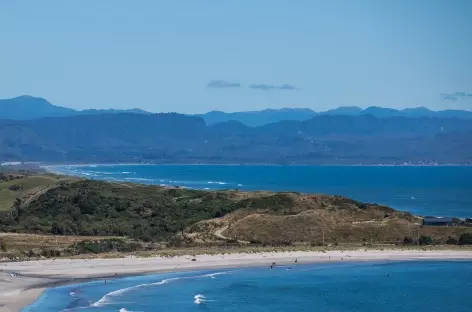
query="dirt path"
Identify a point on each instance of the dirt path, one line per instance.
(219, 233)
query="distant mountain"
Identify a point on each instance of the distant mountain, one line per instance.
(175, 138)
(343, 110)
(28, 107)
(259, 118)
(424, 112)
(381, 112)
(111, 111)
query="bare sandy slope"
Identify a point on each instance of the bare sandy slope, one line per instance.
(19, 291)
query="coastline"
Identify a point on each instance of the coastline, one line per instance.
(18, 292)
(250, 164)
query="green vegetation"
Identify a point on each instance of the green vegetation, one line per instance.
(126, 217)
(22, 186)
(102, 246)
(425, 240)
(110, 209)
(465, 239)
(452, 241)
(3, 245)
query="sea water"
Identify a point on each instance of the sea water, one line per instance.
(424, 190)
(330, 287)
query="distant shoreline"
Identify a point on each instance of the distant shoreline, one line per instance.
(248, 165)
(36, 276)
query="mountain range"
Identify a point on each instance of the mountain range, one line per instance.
(176, 138)
(32, 129)
(28, 107)
(259, 118)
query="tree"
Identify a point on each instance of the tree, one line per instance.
(465, 239)
(425, 240)
(451, 241)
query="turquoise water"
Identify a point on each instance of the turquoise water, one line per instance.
(395, 286)
(435, 190)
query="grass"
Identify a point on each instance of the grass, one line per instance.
(203, 221)
(30, 185)
(25, 242)
(20, 244)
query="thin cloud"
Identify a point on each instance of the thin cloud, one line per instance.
(267, 87)
(456, 96)
(221, 84)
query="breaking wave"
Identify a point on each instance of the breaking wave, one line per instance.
(217, 182)
(199, 299)
(129, 175)
(108, 298)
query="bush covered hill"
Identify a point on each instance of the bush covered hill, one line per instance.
(171, 138)
(162, 214)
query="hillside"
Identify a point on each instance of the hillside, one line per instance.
(268, 116)
(28, 107)
(182, 216)
(174, 138)
(258, 118)
(25, 187)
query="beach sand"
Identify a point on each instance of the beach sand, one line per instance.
(17, 292)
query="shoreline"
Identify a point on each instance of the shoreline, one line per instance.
(251, 165)
(18, 292)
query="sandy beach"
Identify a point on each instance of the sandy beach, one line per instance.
(17, 292)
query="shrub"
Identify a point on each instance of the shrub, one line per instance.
(408, 240)
(425, 240)
(105, 245)
(15, 187)
(50, 253)
(3, 246)
(465, 239)
(31, 254)
(451, 241)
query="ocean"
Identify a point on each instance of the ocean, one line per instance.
(336, 287)
(331, 287)
(423, 190)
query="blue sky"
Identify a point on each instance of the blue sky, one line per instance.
(199, 55)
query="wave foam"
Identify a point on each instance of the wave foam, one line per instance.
(139, 179)
(217, 182)
(107, 298)
(199, 299)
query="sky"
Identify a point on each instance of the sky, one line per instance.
(199, 55)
